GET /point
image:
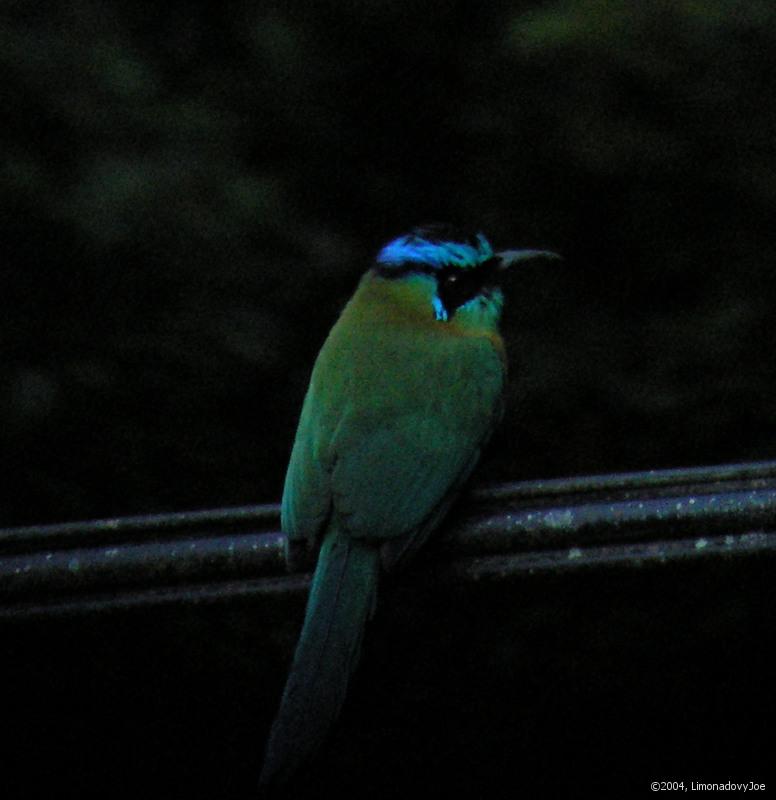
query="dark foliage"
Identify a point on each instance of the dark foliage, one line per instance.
(189, 193)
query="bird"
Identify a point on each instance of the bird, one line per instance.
(403, 396)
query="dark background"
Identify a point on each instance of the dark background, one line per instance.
(189, 193)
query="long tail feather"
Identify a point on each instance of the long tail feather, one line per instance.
(341, 600)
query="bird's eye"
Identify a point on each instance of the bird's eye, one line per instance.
(456, 287)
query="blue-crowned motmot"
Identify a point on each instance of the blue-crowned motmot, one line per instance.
(405, 392)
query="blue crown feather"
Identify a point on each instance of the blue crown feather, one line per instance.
(419, 248)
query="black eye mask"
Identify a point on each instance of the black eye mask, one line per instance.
(456, 286)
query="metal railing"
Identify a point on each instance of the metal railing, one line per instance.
(628, 520)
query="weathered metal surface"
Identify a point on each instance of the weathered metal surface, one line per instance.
(629, 519)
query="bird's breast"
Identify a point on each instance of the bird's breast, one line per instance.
(377, 364)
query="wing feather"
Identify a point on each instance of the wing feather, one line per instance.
(392, 425)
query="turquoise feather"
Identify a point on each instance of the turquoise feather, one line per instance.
(341, 600)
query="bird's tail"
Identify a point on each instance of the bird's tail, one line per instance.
(341, 601)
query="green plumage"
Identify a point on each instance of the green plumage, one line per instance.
(341, 600)
(398, 409)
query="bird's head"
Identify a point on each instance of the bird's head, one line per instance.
(458, 276)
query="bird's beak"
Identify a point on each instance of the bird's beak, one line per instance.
(508, 258)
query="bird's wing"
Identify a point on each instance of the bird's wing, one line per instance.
(386, 469)
(400, 475)
(400, 549)
(306, 504)
(393, 477)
